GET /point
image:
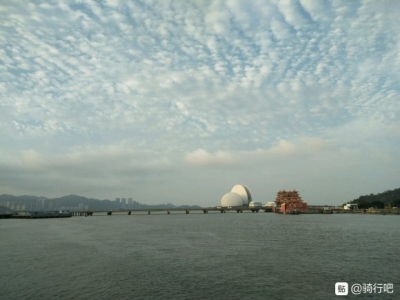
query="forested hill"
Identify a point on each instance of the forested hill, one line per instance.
(391, 197)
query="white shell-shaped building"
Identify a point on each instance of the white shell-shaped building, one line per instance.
(244, 192)
(231, 200)
(238, 196)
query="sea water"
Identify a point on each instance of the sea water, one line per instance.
(198, 256)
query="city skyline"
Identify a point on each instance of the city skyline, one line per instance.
(176, 102)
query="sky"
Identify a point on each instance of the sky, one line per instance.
(178, 101)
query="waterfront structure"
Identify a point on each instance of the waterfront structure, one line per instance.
(244, 192)
(231, 200)
(290, 202)
(255, 204)
(350, 206)
(41, 215)
(269, 206)
(239, 196)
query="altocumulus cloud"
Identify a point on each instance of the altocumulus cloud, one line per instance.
(200, 158)
(111, 98)
(301, 147)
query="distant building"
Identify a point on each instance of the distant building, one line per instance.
(289, 202)
(350, 206)
(270, 206)
(130, 202)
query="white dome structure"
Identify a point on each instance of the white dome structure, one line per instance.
(244, 192)
(231, 199)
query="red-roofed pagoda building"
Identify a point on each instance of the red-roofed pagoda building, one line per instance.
(290, 202)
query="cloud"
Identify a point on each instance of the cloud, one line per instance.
(302, 147)
(234, 80)
(94, 162)
(202, 158)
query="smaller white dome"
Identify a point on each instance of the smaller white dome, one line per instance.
(231, 199)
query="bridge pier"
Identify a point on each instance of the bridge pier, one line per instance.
(222, 211)
(129, 212)
(149, 212)
(168, 212)
(109, 213)
(239, 211)
(205, 211)
(187, 212)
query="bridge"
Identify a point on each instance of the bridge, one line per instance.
(206, 210)
(168, 211)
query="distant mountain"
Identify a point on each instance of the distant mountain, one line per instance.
(72, 202)
(390, 197)
(5, 197)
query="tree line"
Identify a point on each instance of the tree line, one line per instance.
(390, 198)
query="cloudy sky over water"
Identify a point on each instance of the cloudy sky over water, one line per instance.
(177, 101)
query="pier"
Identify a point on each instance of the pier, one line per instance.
(35, 215)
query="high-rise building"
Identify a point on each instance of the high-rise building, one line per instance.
(123, 203)
(41, 205)
(130, 202)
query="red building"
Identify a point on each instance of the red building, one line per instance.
(290, 202)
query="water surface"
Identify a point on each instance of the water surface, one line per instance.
(197, 256)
